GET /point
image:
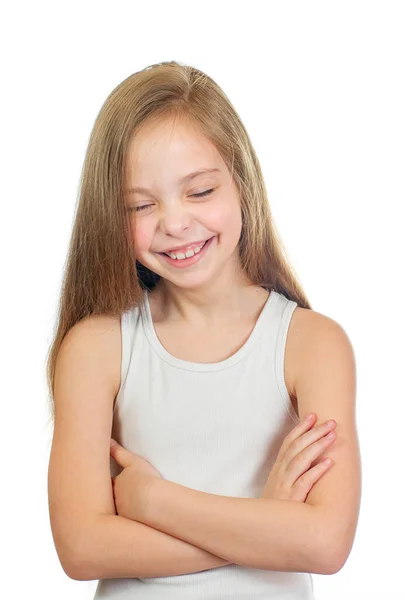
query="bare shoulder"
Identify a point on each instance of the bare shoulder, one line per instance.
(100, 334)
(310, 333)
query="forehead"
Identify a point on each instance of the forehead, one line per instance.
(169, 149)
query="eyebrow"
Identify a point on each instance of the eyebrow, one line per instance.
(184, 179)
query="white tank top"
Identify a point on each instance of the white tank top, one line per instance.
(214, 427)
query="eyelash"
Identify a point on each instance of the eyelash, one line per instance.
(206, 193)
(200, 195)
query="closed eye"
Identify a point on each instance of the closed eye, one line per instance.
(138, 208)
(206, 193)
(200, 195)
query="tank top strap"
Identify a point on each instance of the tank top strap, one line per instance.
(273, 344)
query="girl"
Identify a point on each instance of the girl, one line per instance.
(172, 339)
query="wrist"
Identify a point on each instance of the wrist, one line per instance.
(153, 493)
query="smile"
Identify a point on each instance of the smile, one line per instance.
(187, 261)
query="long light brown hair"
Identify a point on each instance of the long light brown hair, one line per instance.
(101, 274)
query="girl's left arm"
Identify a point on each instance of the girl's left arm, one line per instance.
(279, 535)
(284, 535)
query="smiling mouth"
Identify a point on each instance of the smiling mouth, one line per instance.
(182, 251)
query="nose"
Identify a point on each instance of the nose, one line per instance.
(174, 219)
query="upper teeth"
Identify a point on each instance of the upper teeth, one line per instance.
(181, 255)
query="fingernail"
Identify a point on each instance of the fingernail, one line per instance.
(309, 416)
(112, 442)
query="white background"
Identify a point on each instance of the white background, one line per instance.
(320, 88)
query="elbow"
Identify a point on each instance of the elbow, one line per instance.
(88, 550)
(328, 567)
(332, 556)
(335, 542)
(84, 562)
(74, 570)
(70, 563)
(74, 563)
(333, 565)
(76, 555)
(80, 567)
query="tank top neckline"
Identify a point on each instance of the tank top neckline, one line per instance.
(180, 363)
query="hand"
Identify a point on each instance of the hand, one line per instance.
(291, 477)
(132, 486)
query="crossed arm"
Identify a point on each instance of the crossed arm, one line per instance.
(202, 531)
(279, 535)
(185, 531)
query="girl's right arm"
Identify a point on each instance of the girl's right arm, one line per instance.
(91, 540)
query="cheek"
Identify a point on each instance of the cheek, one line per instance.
(227, 219)
(142, 238)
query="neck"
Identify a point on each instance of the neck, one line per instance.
(220, 302)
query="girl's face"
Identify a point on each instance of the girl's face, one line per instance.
(167, 213)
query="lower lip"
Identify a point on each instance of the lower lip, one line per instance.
(186, 262)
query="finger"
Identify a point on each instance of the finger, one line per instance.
(303, 426)
(305, 483)
(120, 454)
(296, 462)
(307, 438)
(302, 462)
(312, 452)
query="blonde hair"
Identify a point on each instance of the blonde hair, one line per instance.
(101, 274)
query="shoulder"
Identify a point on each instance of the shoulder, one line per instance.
(313, 339)
(99, 337)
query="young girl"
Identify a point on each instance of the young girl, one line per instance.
(186, 338)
